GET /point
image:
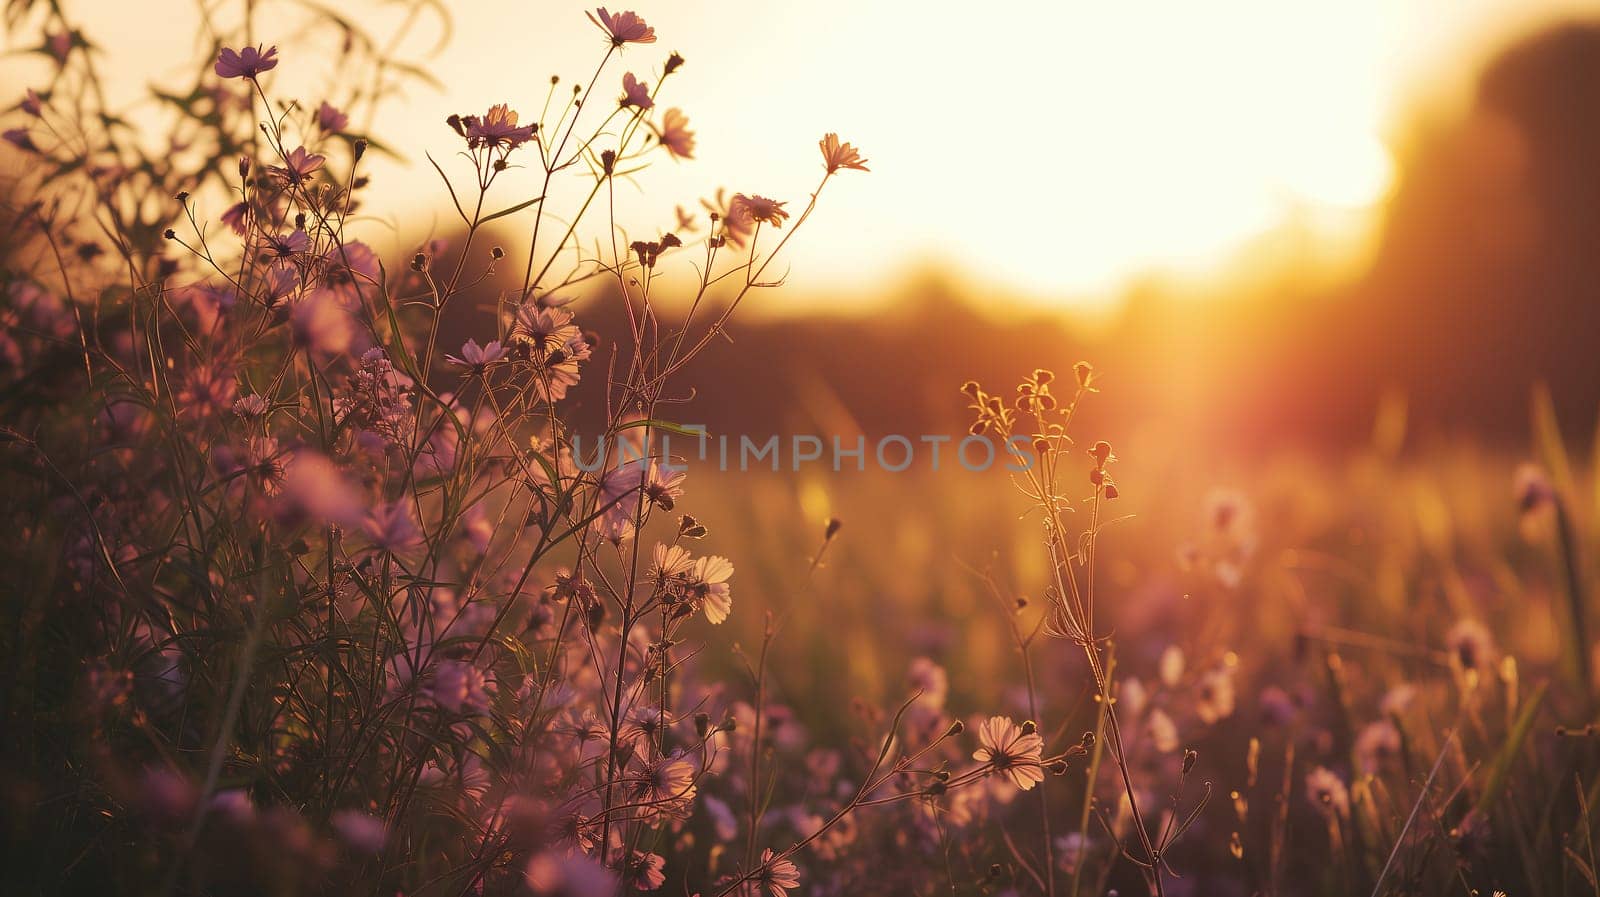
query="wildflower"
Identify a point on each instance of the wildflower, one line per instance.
(761, 209)
(776, 875)
(392, 527)
(622, 27)
(542, 327)
(236, 216)
(550, 873)
(737, 225)
(1470, 645)
(710, 586)
(665, 785)
(1377, 744)
(1171, 666)
(246, 63)
(635, 92)
(287, 245)
(320, 325)
(1327, 792)
(315, 490)
(497, 128)
(298, 165)
(836, 155)
(477, 358)
(644, 871)
(31, 103)
(330, 119)
(362, 832)
(671, 562)
(1013, 753)
(1215, 696)
(675, 135)
(1162, 731)
(20, 139)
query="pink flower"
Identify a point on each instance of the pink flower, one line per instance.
(362, 832)
(776, 875)
(759, 208)
(635, 92)
(237, 216)
(392, 527)
(298, 165)
(477, 358)
(20, 139)
(709, 583)
(318, 324)
(314, 489)
(246, 63)
(329, 118)
(498, 127)
(623, 27)
(836, 155)
(675, 135)
(285, 245)
(1012, 750)
(1327, 792)
(645, 871)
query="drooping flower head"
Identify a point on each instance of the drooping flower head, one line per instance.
(675, 135)
(622, 27)
(246, 63)
(635, 93)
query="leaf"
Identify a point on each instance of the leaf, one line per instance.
(1500, 773)
(669, 426)
(1548, 442)
(509, 211)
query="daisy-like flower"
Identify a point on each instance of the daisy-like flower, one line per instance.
(251, 407)
(318, 324)
(709, 585)
(775, 876)
(477, 358)
(645, 871)
(286, 245)
(1470, 645)
(665, 785)
(737, 225)
(623, 27)
(760, 208)
(1376, 746)
(675, 135)
(498, 127)
(297, 166)
(246, 63)
(330, 119)
(635, 92)
(542, 328)
(1013, 753)
(671, 562)
(1327, 792)
(837, 155)
(392, 528)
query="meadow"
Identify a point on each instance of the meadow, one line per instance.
(313, 587)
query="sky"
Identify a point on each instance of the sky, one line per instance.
(1057, 150)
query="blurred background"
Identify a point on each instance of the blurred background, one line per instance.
(1262, 221)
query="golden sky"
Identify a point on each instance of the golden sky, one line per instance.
(1056, 149)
